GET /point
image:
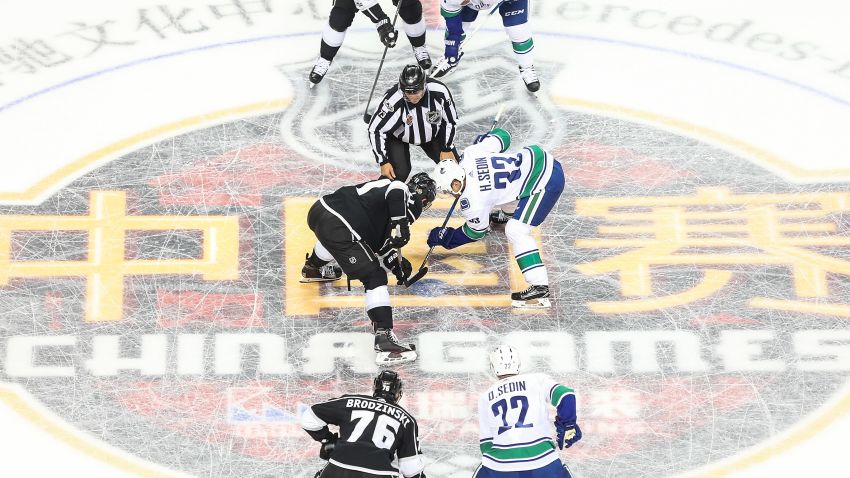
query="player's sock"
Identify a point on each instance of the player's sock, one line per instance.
(378, 307)
(331, 41)
(523, 46)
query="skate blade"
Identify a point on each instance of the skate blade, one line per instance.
(393, 358)
(305, 280)
(531, 304)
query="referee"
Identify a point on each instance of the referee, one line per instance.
(418, 110)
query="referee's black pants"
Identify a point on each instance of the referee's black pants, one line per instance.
(398, 153)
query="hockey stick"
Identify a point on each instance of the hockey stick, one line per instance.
(366, 116)
(444, 62)
(423, 268)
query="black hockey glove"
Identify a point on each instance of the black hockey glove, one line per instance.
(388, 34)
(399, 233)
(390, 262)
(328, 445)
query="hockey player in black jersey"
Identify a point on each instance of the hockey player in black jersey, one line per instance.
(363, 228)
(372, 432)
(342, 15)
(417, 110)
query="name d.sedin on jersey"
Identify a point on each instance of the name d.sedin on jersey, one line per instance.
(509, 387)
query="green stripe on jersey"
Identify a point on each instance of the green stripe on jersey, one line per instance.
(485, 446)
(523, 46)
(504, 137)
(529, 260)
(559, 392)
(528, 209)
(472, 233)
(538, 163)
(521, 452)
(447, 14)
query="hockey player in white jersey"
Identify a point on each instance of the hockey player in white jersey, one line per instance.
(485, 178)
(514, 425)
(459, 15)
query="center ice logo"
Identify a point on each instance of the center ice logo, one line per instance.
(155, 301)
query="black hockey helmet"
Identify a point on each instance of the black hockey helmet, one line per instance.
(423, 188)
(388, 386)
(412, 79)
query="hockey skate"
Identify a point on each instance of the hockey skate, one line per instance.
(422, 57)
(390, 351)
(498, 216)
(319, 70)
(529, 77)
(535, 297)
(443, 68)
(325, 273)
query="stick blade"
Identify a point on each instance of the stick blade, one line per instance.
(416, 277)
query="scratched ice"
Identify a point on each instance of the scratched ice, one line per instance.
(689, 289)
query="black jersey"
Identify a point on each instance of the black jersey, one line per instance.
(372, 432)
(367, 208)
(433, 118)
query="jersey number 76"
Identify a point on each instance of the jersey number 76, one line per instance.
(385, 428)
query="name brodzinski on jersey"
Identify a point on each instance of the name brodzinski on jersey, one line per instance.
(383, 407)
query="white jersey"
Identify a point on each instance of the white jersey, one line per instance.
(494, 179)
(455, 6)
(516, 432)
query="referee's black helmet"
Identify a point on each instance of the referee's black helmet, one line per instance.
(412, 79)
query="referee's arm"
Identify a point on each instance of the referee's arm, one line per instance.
(384, 121)
(446, 134)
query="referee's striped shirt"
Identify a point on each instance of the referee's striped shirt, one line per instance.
(434, 117)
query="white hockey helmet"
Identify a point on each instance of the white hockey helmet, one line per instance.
(445, 173)
(504, 360)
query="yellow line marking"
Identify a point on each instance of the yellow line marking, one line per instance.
(833, 310)
(821, 418)
(71, 169)
(699, 131)
(17, 403)
(714, 279)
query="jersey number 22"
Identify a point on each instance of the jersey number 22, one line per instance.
(501, 408)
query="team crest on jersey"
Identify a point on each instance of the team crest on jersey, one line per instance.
(433, 117)
(464, 204)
